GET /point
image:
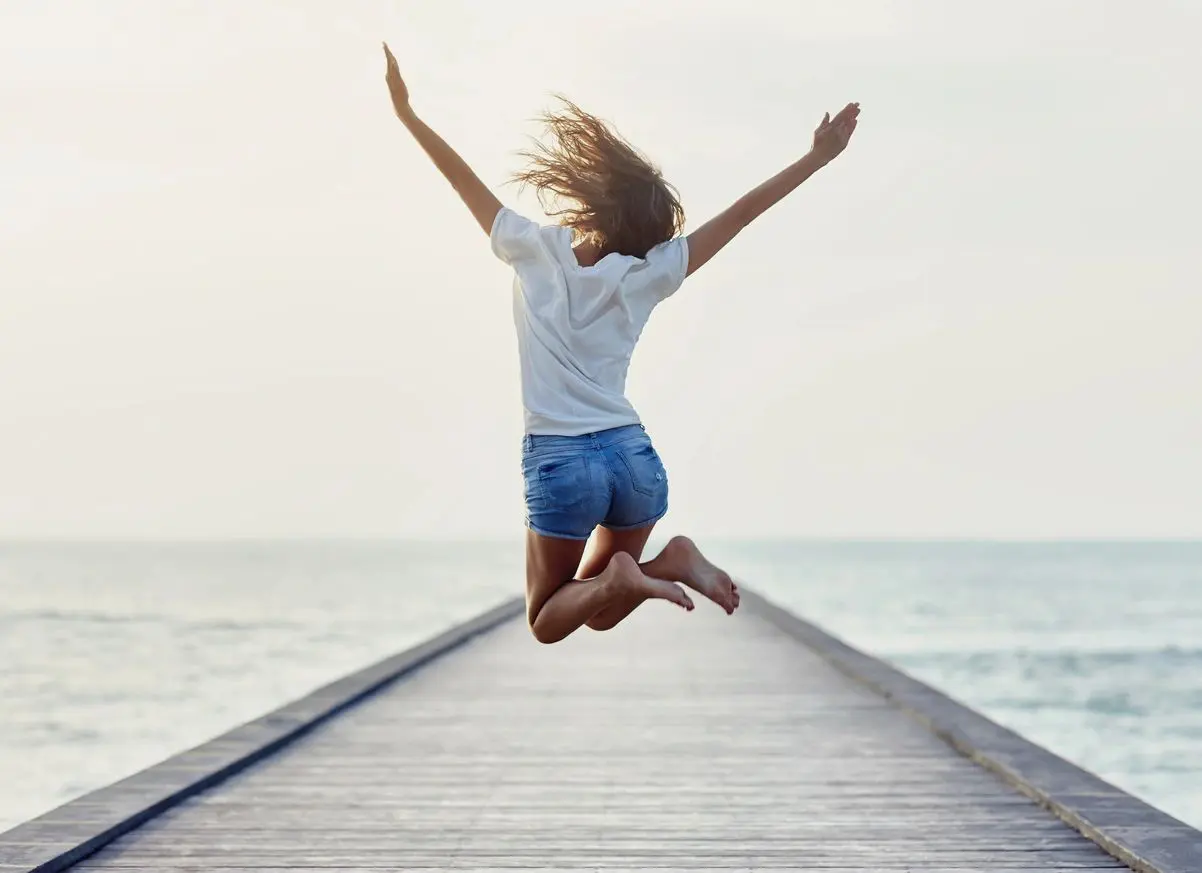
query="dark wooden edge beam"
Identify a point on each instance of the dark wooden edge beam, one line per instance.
(1141, 836)
(68, 834)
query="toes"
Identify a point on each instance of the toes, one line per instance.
(731, 600)
(681, 599)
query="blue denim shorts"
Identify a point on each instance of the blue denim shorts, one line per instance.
(613, 478)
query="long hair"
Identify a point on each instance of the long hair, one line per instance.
(599, 185)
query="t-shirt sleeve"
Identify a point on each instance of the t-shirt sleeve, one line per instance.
(514, 238)
(665, 269)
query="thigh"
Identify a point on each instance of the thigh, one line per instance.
(550, 562)
(640, 485)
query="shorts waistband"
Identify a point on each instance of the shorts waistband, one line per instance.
(600, 439)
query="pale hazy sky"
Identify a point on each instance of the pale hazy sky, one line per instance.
(235, 299)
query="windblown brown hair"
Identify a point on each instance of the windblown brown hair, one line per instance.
(599, 185)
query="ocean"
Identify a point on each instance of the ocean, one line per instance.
(118, 655)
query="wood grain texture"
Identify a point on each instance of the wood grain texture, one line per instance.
(1143, 837)
(54, 841)
(676, 741)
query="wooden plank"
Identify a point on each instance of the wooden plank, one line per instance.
(674, 742)
(691, 742)
(81, 827)
(1142, 836)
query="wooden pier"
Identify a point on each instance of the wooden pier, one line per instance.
(678, 742)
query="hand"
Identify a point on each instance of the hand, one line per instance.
(396, 86)
(833, 134)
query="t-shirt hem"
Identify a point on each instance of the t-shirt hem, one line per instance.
(543, 427)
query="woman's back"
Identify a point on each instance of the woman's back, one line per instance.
(578, 325)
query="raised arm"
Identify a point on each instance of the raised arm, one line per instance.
(830, 139)
(483, 204)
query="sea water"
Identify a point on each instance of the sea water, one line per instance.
(114, 656)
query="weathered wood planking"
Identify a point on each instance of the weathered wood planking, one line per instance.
(52, 842)
(675, 742)
(1143, 837)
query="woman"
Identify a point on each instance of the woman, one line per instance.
(583, 291)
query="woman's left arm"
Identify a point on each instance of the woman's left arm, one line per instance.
(830, 139)
(483, 204)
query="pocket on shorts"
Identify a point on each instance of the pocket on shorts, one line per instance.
(642, 462)
(563, 482)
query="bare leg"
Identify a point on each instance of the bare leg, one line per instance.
(602, 547)
(557, 604)
(680, 561)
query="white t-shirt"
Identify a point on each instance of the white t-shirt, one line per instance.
(577, 326)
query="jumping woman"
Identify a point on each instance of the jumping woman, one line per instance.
(583, 291)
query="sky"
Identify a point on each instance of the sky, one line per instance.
(237, 300)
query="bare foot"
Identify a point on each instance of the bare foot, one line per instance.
(633, 582)
(683, 561)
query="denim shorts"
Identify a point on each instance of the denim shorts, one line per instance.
(612, 478)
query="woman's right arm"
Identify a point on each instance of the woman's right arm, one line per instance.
(483, 204)
(830, 139)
